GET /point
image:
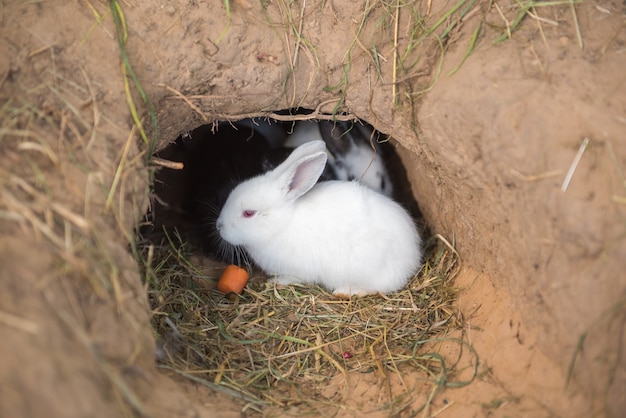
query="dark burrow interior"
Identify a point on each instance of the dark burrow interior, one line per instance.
(211, 159)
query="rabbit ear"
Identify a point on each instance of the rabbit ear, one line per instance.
(301, 170)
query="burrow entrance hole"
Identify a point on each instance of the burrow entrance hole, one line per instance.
(259, 344)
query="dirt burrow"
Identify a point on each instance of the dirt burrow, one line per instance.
(487, 150)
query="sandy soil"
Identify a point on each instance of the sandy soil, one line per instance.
(487, 150)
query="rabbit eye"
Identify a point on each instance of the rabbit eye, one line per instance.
(248, 213)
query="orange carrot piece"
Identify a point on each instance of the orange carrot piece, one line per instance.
(233, 280)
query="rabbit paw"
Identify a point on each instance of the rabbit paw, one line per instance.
(348, 293)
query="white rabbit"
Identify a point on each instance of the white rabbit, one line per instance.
(339, 234)
(303, 132)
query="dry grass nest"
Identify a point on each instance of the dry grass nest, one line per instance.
(276, 346)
